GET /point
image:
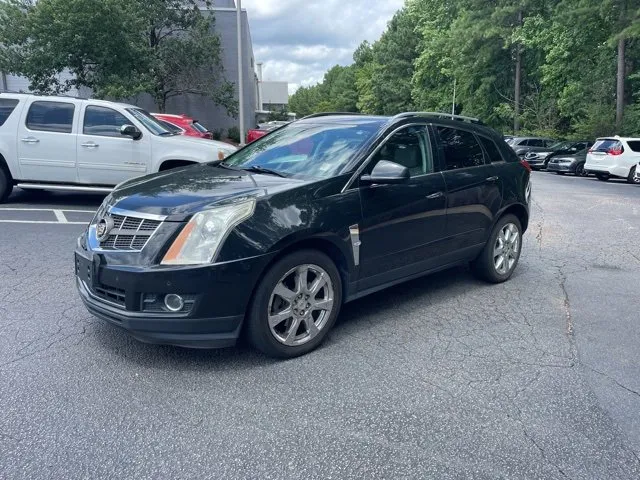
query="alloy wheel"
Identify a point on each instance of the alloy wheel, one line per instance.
(506, 248)
(300, 305)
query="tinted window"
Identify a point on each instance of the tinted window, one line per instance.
(170, 126)
(634, 145)
(150, 122)
(460, 148)
(51, 117)
(491, 149)
(199, 127)
(408, 147)
(535, 142)
(6, 107)
(103, 121)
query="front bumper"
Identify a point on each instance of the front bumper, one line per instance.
(220, 294)
(562, 167)
(536, 162)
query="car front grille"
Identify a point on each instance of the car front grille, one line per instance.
(129, 233)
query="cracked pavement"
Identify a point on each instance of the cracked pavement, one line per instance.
(441, 377)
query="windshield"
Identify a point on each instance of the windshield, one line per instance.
(149, 121)
(170, 126)
(305, 150)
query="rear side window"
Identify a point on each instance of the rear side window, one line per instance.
(103, 121)
(7, 105)
(535, 142)
(460, 148)
(492, 151)
(634, 145)
(51, 117)
(603, 145)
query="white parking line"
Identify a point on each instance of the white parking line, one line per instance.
(60, 216)
(59, 213)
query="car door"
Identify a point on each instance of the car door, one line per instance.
(47, 142)
(105, 157)
(403, 227)
(474, 189)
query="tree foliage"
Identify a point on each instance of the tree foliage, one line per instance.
(568, 53)
(117, 48)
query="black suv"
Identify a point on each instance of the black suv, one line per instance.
(273, 240)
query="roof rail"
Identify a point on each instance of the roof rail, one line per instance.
(328, 114)
(439, 115)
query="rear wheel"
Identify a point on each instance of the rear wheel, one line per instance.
(500, 255)
(632, 176)
(295, 305)
(603, 177)
(6, 186)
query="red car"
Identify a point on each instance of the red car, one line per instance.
(262, 130)
(187, 125)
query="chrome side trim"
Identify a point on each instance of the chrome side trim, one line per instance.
(354, 233)
(364, 164)
(66, 188)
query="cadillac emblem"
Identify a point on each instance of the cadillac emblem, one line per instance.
(103, 228)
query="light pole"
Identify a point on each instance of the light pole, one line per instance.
(240, 73)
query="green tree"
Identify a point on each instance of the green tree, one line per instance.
(118, 48)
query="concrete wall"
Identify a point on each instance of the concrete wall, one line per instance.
(275, 93)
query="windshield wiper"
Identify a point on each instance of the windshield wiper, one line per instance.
(268, 171)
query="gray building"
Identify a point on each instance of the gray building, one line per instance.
(204, 110)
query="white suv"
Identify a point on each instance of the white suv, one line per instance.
(66, 143)
(614, 157)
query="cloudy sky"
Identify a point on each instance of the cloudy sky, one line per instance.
(299, 40)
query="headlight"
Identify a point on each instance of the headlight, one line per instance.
(200, 240)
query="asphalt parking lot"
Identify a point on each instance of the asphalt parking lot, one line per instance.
(442, 377)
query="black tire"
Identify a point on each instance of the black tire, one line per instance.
(6, 185)
(632, 177)
(259, 332)
(603, 177)
(483, 266)
(580, 171)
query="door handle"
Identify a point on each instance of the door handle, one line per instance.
(90, 145)
(433, 196)
(492, 179)
(29, 140)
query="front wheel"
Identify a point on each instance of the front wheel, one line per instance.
(295, 305)
(501, 253)
(580, 171)
(632, 178)
(603, 177)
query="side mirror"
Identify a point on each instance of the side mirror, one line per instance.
(386, 173)
(130, 131)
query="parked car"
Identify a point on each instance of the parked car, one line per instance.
(522, 145)
(569, 163)
(539, 158)
(187, 125)
(264, 128)
(636, 176)
(273, 240)
(64, 143)
(614, 157)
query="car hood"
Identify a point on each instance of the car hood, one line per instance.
(183, 141)
(184, 191)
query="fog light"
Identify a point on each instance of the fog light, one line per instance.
(173, 302)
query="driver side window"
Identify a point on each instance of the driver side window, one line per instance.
(103, 121)
(410, 148)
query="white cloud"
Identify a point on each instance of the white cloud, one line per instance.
(299, 40)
